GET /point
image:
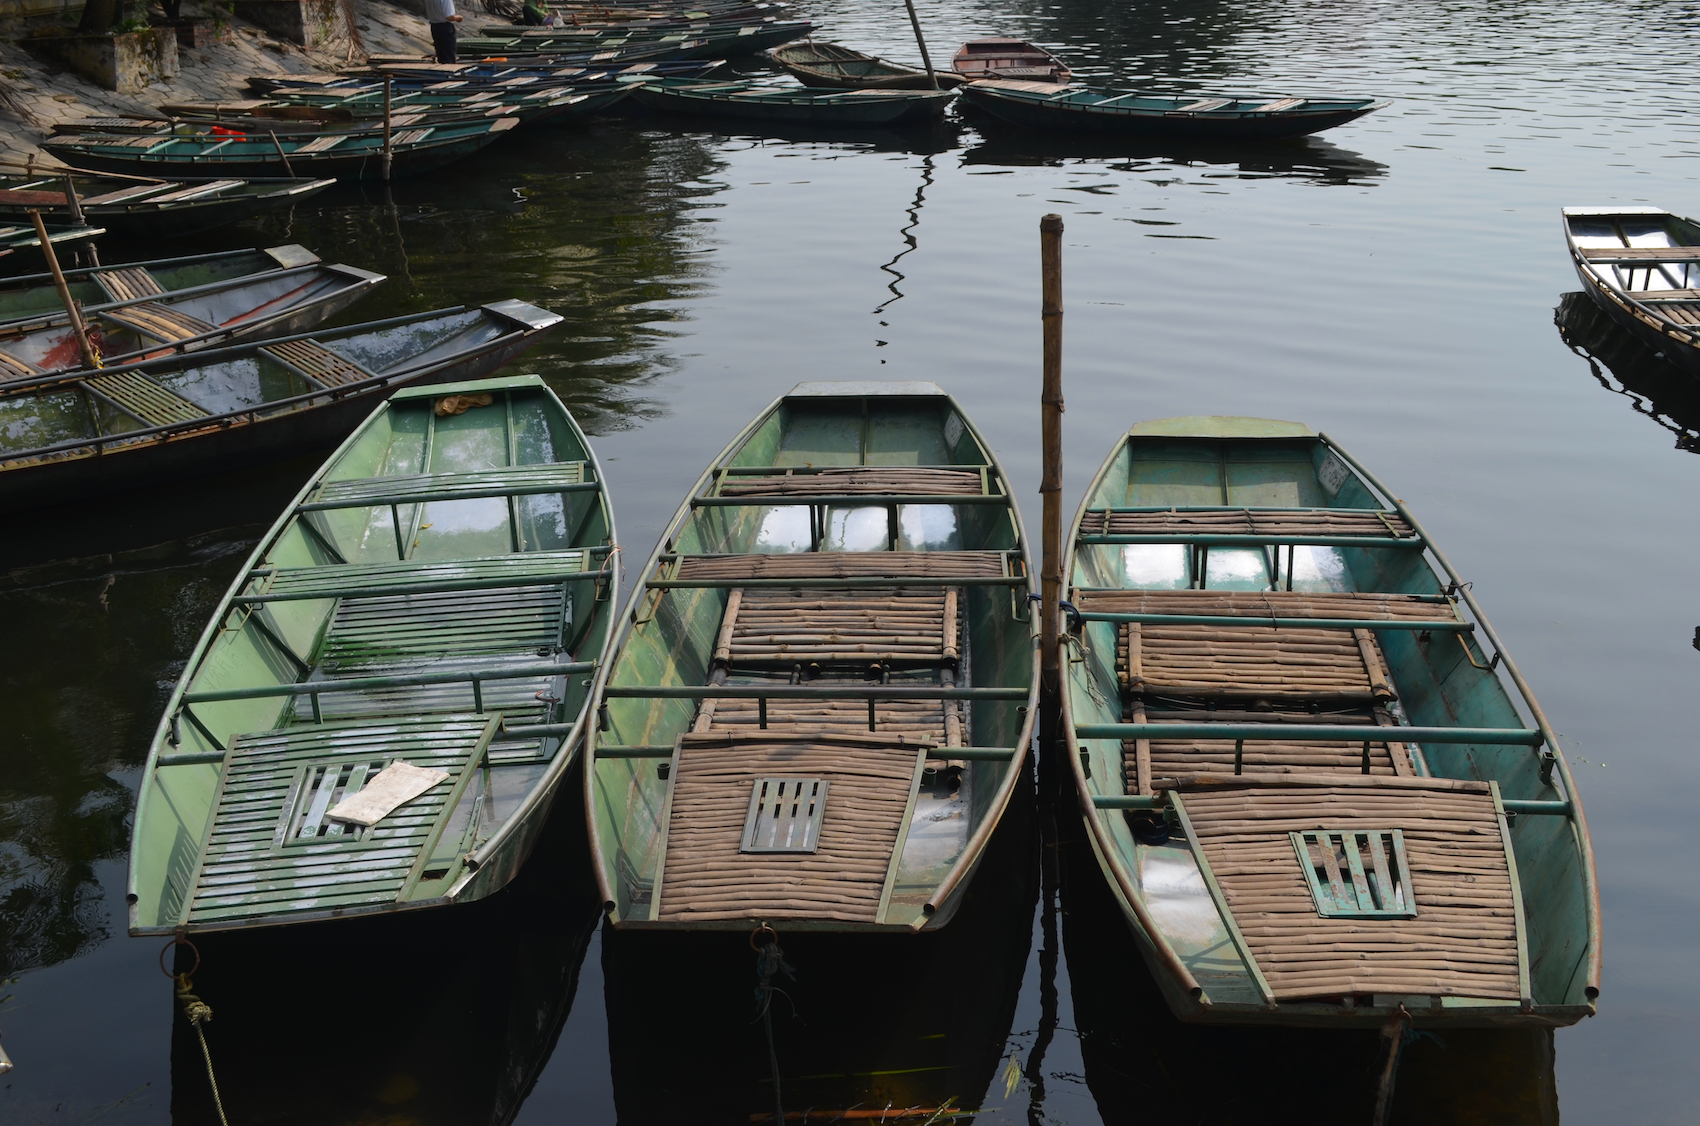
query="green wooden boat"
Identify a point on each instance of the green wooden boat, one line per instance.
(145, 208)
(834, 67)
(145, 324)
(714, 42)
(432, 605)
(1125, 113)
(34, 294)
(823, 689)
(19, 243)
(1308, 789)
(73, 434)
(751, 101)
(352, 154)
(532, 104)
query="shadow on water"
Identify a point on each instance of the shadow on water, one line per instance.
(1143, 1065)
(868, 1021)
(927, 138)
(438, 1018)
(1654, 386)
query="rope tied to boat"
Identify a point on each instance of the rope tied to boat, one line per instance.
(197, 1012)
(770, 960)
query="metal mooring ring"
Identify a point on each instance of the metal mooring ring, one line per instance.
(758, 931)
(179, 942)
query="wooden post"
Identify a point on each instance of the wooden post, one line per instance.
(926, 61)
(281, 155)
(90, 360)
(384, 161)
(76, 207)
(1050, 482)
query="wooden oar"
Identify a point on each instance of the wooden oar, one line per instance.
(90, 359)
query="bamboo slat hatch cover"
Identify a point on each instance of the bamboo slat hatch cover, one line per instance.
(1247, 522)
(1463, 940)
(916, 624)
(706, 878)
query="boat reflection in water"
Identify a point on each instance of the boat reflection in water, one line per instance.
(1310, 160)
(1654, 386)
(871, 1025)
(440, 1018)
(1143, 1065)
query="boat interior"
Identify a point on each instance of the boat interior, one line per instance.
(37, 296)
(444, 586)
(1008, 58)
(824, 690)
(1650, 254)
(1310, 861)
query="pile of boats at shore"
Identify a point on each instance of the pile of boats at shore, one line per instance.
(400, 115)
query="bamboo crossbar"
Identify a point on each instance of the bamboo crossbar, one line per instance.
(1210, 540)
(370, 683)
(665, 750)
(864, 500)
(856, 582)
(809, 692)
(451, 494)
(196, 758)
(1417, 624)
(1126, 801)
(1294, 732)
(445, 586)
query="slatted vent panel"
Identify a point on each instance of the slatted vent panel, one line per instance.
(318, 786)
(317, 362)
(785, 815)
(145, 399)
(1356, 873)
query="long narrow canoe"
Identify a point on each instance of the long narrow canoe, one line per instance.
(834, 67)
(34, 294)
(1306, 784)
(822, 692)
(436, 598)
(1014, 59)
(533, 105)
(750, 101)
(1042, 105)
(148, 324)
(1642, 266)
(75, 434)
(717, 42)
(508, 74)
(146, 208)
(349, 155)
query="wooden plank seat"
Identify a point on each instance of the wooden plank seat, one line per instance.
(316, 363)
(939, 722)
(514, 480)
(807, 626)
(271, 851)
(1258, 662)
(195, 191)
(1279, 105)
(126, 283)
(125, 194)
(1248, 522)
(1607, 255)
(852, 480)
(1203, 105)
(1664, 295)
(369, 580)
(844, 565)
(161, 322)
(705, 877)
(322, 144)
(143, 399)
(1464, 940)
(1270, 604)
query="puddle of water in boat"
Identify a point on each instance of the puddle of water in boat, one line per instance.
(1392, 283)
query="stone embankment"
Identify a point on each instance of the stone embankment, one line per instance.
(43, 93)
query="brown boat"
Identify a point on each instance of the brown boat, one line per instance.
(1008, 58)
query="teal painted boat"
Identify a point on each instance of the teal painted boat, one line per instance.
(34, 294)
(532, 104)
(1305, 782)
(430, 608)
(151, 209)
(823, 688)
(753, 102)
(835, 67)
(718, 41)
(1075, 109)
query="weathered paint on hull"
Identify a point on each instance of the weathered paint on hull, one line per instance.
(1155, 126)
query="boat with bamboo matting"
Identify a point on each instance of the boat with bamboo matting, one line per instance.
(755, 102)
(351, 154)
(31, 295)
(380, 712)
(1008, 58)
(20, 244)
(508, 74)
(143, 322)
(1041, 105)
(834, 67)
(1308, 789)
(1642, 266)
(532, 104)
(72, 434)
(822, 692)
(147, 208)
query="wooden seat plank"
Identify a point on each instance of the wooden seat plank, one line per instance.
(317, 363)
(844, 564)
(126, 283)
(856, 480)
(450, 486)
(144, 399)
(1248, 522)
(528, 568)
(159, 321)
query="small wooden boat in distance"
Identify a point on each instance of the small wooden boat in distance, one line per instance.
(429, 609)
(1008, 58)
(31, 295)
(1642, 266)
(822, 692)
(73, 434)
(750, 101)
(1041, 105)
(834, 67)
(1305, 783)
(156, 209)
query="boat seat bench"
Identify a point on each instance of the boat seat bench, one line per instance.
(356, 580)
(317, 363)
(870, 480)
(143, 399)
(518, 480)
(161, 322)
(1182, 525)
(128, 283)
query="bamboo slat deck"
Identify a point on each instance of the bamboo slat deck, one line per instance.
(868, 625)
(1267, 604)
(317, 362)
(1463, 940)
(1247, 522)
(128, 283)
(705, 877)
(855, 479)
(935, 721)
(161, 322)
(843, 565)
(140, 396)
(1252, 661)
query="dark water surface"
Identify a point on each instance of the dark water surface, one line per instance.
(1393, 283)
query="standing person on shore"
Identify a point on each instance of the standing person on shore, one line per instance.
(440, 14)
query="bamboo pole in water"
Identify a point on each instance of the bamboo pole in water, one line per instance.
(90, 360)
(384, 162)
(926, 60)
(1050, 482)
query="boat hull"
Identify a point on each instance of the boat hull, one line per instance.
(1154, 126)
(1658, 333)
(819, 110)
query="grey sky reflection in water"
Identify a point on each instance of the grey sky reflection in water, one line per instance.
(1408, 310)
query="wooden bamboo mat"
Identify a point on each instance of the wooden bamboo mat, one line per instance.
(1463, 940)
(1267, 604)
(856, 479)
(706, 878)
(1252, 661)
(1247, 522)
(935, 721)
(916, 624)
(843, 565)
